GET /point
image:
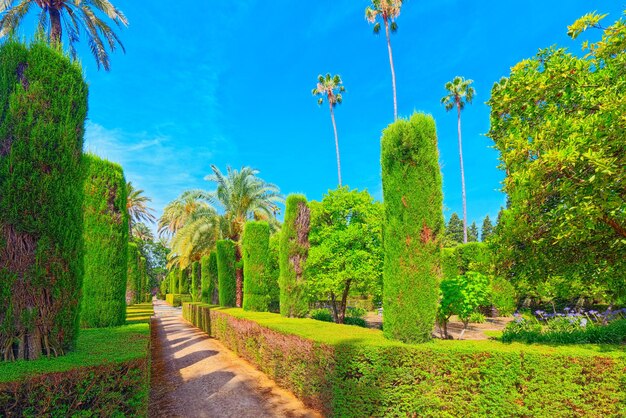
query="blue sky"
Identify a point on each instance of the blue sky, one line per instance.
(230, 84)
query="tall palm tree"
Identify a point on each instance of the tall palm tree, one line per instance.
(178, 212)
(142, 232)
(460, 92)
(331, 88)
(243, 196)
(137, 206)
(388, 10)
(74, 16)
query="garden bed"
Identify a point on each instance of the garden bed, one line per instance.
(354, 372)
(106, 375)
(176, 300)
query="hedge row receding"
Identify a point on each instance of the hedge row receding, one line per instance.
(43, 105)
(227, 286)
(346, 371)
(176, 300)
(255, 249)
(105, 233)
(106, 375)
(414, 224)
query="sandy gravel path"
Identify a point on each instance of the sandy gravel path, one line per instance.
(196, 376)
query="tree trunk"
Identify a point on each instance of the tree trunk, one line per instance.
(344, 299)
(458, 106)
(333, 302)
(332, 117)
(55, 25)
(393, 72)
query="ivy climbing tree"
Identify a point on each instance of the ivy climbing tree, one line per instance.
(414, 226)
(43, 106)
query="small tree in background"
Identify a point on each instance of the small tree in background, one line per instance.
(414, 226)
(43, 105)
(227, 286)
(472, 233)
(462, 296)
(255, 247)
(195, 281)
(294, 250)
(346, 249)
(105, 234)
(487, 229)
(454, 231)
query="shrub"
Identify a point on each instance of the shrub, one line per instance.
(462, 296)
(184, 281)
(273, 272)
(503, 296)
(227, 286)
(174, 275)
(414, 225)
(359, 322)
(477, 318)
(208, 274)
(255, 249)
(177, 300)
(133, 286)
(195, 281)
(355, 312)
(43, 105)
(105, 234)
(293, 253)
(355, 372)
(322, 315)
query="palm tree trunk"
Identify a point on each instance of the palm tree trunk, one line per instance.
(393, 72)
(55, 25)
(458, 107)
(332, 117)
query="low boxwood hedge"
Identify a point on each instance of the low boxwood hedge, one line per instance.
(177, 300)
(347, 371)
(107, 375)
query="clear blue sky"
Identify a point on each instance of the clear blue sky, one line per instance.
(229, 83)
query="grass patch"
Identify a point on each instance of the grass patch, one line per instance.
(139, 313)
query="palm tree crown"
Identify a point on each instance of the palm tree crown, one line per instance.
(388, 10)
(460, 92)
(137, 206)
(72, 15)
(330, 87)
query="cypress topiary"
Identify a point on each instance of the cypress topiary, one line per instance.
(294, 249)
(213, 279)
(209, 278)
(173, 285)
(227, 286)
(43, 105)
(413, 229)
(195, 281)
(184, 281)
(105, 234)
(255, 248)
(143, 280)
(133, 285)
(273, 271)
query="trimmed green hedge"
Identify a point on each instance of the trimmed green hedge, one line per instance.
(195, 281)
(106, 375)
(43, 105)
(144, 281)
(273, 273)
(174, 276)
(255, 249)
(346, 371)
(105, 234)
(414, 226)
(293, 253)
(227, 286)
(176, 300)
(133, 285)
(184, 281)
(209, 278)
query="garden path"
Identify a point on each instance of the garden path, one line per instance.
(196, 376)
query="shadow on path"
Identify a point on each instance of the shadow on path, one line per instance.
(196, 376)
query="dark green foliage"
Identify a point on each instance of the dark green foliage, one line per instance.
(43, 105)
(346, 371)
(185, 279)
(503, 296)
(134, 285)
(273, 272)
(106, 375)
(454, 230)
(195, 281)
(473, 256)
(226, 272)
(531, 332)
(255, 256)
(322, 315)
(213, 292)
(487, 229)
(174, 279)
(413, 229)
(208, 274)
(105, 234)
(293, 253)
(472, 233)
(145, 280)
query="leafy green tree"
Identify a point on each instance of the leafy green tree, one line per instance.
(293, 253)
(472, 233)
(487, 229)
(77, 16)
(454, 231)
(414, 228)
(346, 249)
(331, 88)
(388, 11)
(43, 105)
(558, 123)
(462, 296)
(460, 93)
